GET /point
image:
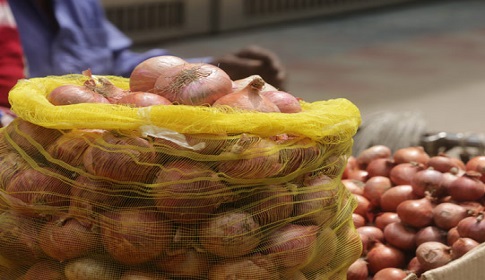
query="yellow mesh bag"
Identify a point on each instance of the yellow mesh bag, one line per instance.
(174, 192)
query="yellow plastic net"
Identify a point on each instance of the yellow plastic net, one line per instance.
(174, 192)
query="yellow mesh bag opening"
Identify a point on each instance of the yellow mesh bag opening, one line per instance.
(174, 192)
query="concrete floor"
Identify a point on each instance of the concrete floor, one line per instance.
(426, 57)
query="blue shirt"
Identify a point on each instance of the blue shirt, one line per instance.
(79, 38)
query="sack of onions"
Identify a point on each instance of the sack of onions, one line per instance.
(177, 172)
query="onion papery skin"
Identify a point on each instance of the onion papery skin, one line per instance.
(193, 84)
(188, 192)
(144, 75)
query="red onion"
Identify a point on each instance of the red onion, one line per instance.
(402, 174)
(447, 215)
(358, 270)
(414, 266)
(285, 101)
(390, 273)
(411, 154)
(354, 186)
(472, 227)
(462, 246)
(193, 84)
(417, 213)
(452, 236)
(467, 187)
(444, 163)
(358, 220)
(384, 218)
(142, 99)
(70, 147)
(374, 234)
(430, 233)
(374, 188)
(45, 269)
(372, 153)
(184, 263)
(249, 98)
(382, 256)
(380, 167)
(363, 205)
(477, 163)
(391, 198)
(400, 236)
(254, 267)
(326, 248)
(74, 94)
(145, 74)
(428, 181)
(433, 254)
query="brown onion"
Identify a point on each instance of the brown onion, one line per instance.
(134, 236)
(433, 254)
(374, 188)
(382, 219)
(358, 220)
(467, 187)
(230, 233)
(414, 266)
(249, 98)
(70, 146)
(380, 167)
(462, 246)
(92, 267)
(133, 274)
(374, 234)
(431, 233)
(428, 181)
(358, 270)
(363, 206)
(146, 73)
(193, 84)
(391, 198)
(444, 163)
(11, 163)
(257, 267)
(452, 236)
(400, 236)
(66, 238)
(477, 163)
(402, 174)
(417, 212)
(372, 153)
(390, 273)
(44, 270)
(354, 186)
(188, 191)
(184, 263)
(326, 248)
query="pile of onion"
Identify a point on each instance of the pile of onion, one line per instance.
(415, 212)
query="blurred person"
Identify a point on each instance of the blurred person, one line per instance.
(11, 59)
(68, 36)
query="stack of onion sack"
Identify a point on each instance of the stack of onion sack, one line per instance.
(96, 188)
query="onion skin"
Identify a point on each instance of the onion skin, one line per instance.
(253, 267)
(135, 236)
(472, 227)
(74, 94)
(232, 233)
(66, 238)
(447, 215)
(433, 254)
(146, 73)
(143, 99)
(193, 84)
(358, 270)
(285, 101)
(249, 98)
(467, 187)
(242, 83)
(178, 182)
(462, 246)
(430, 233)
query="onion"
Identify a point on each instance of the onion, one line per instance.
(384, 218)
(188, 191)
(400, 236)
(354, 186)
(285, 101)
(252, 267)
(43, 186)
(145, 74)
(433, 254)
(66, 238)
(19, 238)
(358, 220)
(134, 236)
(467, 187)
(447, 215)
(380, 167)
(391, 198)
(428, 181)
(390, 273)
(74, 94)
(251, 158)
(268, 204)
(374, 188)
(132, 274)
(350, 166)
(431, 233)
(326, 247)
(92, 267)
(111, 92)
(411, 154)
(44, 270)
(462, 246)
(414, 266)
(249, 98)
(316, 200)
(27, 136)
(417, 212)
(299, 154)
(11, 163)
(372, 153)
(119, 157)
(292, 245)
(70, 147)
(143, 99)
(358, 270)
(477, 163)
(363, 206)
(382, 256)
(242, 83)
(444, 163)
(374, 234)
(472, 227)
(193, 84)
(230, 233)
(452, 236)
(402, 173)
(184, 263)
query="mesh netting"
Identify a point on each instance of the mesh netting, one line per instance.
(101, 191)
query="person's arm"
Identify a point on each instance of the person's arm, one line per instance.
(11, 56)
